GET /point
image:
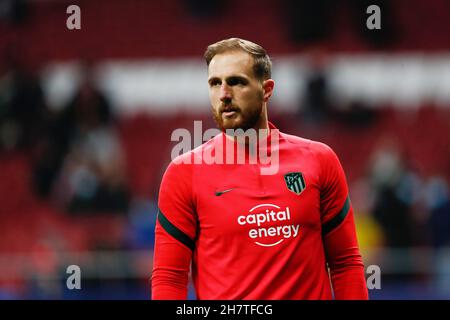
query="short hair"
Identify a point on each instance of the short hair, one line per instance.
(262, 66)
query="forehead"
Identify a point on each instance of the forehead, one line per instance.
(231, 63)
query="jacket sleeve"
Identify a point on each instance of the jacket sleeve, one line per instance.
(339, 232)
(174, 234)
(345, 261)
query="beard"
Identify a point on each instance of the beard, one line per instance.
(242, 119)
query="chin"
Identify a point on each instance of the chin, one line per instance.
(232, 124)
(238, 122)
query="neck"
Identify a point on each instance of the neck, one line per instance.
(262, 123)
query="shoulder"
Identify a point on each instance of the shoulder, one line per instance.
(317, 148)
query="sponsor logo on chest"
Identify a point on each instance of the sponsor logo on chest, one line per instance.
(270, 224)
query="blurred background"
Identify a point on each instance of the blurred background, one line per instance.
(86, 118)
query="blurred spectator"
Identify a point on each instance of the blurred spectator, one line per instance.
(92, 178)
(23, 112)
(438, 203)
(317, 104)
(396, 188)
(88, 161)
(88, 110)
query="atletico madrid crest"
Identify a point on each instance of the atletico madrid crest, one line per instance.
(295, 182)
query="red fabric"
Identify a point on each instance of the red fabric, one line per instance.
(345, 262)
(170, 270)
(258, 240)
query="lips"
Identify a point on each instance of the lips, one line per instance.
(228, 109)
(228, 113)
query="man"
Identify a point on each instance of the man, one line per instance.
(249, 235)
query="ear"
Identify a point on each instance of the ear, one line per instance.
(268, 86)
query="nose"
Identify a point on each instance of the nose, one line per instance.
(225, 93)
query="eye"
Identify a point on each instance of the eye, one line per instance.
(233, 81)
(214, 82)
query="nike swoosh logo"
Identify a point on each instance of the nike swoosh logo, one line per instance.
(219, 193)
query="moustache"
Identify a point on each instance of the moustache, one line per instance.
(228, 108)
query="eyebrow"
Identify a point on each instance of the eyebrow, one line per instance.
(229, 78)
(211, 80)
